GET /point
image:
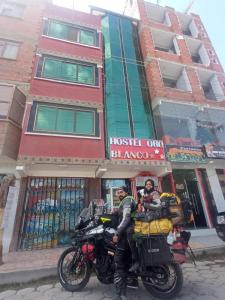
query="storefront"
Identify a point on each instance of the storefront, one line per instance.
(189, 179)
(131, 163)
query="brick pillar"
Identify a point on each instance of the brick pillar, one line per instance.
(197, 91)
(146, 41)
(143, 14)
(175, 25)
(184, 51)
(154, 79)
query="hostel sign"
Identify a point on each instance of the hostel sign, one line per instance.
(136, 149)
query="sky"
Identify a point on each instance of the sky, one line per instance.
(212, 13)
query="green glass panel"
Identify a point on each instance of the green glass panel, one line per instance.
(46, 118)
(114, 35)
(86, 74)
(51, 68)
(87, 37)
(68, 72)
(58, 30)
(84, 122)
(65, 120)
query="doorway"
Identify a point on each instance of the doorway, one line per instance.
(187, 185)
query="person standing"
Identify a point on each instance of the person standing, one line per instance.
(126, 207)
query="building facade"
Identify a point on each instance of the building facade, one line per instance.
(96, 101)
(186, 83)
(17, 50)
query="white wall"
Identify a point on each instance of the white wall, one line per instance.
(216, 189)
(8, 229)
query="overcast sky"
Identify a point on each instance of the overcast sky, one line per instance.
(212, 13)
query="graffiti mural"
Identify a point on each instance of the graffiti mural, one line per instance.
(52, 208)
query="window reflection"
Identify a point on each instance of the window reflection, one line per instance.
(182, 124)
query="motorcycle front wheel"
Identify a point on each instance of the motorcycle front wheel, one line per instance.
(73, 270)
(165, 281)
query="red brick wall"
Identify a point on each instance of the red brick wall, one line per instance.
(26, 31)
(58, 146)
(151, 56)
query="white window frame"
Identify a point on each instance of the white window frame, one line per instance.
(11, 6)
(4, 49)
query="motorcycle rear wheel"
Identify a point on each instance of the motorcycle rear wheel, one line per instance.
(73, 270)
(168, 284)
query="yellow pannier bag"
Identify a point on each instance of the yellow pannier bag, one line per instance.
(153, 227)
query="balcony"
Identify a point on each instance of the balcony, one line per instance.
(211, 86)
(157, 14)
(12, 105)
(165, 41)
(198, 52)
(188, 25)
(175, 76)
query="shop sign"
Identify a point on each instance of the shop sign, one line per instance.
(136, 149)
(214, 151)
(185, 154)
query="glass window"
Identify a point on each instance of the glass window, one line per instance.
(87, 37)
(84, 122)
(51, 68)
(11, 9)
(8, 49)
(85, 74)
(64, 120)
(68, 71)
(71, 33)
(46, 118)
(58, 30)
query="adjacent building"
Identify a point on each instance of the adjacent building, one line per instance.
(187, 85)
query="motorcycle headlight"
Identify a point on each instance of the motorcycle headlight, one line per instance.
(220, 219)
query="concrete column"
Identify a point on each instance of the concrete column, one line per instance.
(8, 229)
(216, 189)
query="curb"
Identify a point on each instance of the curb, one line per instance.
(26, 276)
(209, 251)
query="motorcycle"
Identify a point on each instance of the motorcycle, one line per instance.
(92, 249)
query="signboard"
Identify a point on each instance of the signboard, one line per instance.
(136, 149)
(214, 151)
(185, 154)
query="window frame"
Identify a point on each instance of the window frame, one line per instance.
(46, 30)
(32, 124)
(13, 5)
(5, 44)
(42, 62)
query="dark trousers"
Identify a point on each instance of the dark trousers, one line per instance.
(132, 244)
(121, 266)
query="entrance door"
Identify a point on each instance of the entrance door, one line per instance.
(187, 185)
(194, 196)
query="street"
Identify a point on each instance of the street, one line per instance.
(206, 281)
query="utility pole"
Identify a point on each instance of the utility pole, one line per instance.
(186, 11)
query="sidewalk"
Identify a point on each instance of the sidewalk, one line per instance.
(25, 266)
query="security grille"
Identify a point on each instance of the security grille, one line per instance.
(51, 210)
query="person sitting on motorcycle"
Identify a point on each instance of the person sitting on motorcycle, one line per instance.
(148, 197)
(123, 238)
